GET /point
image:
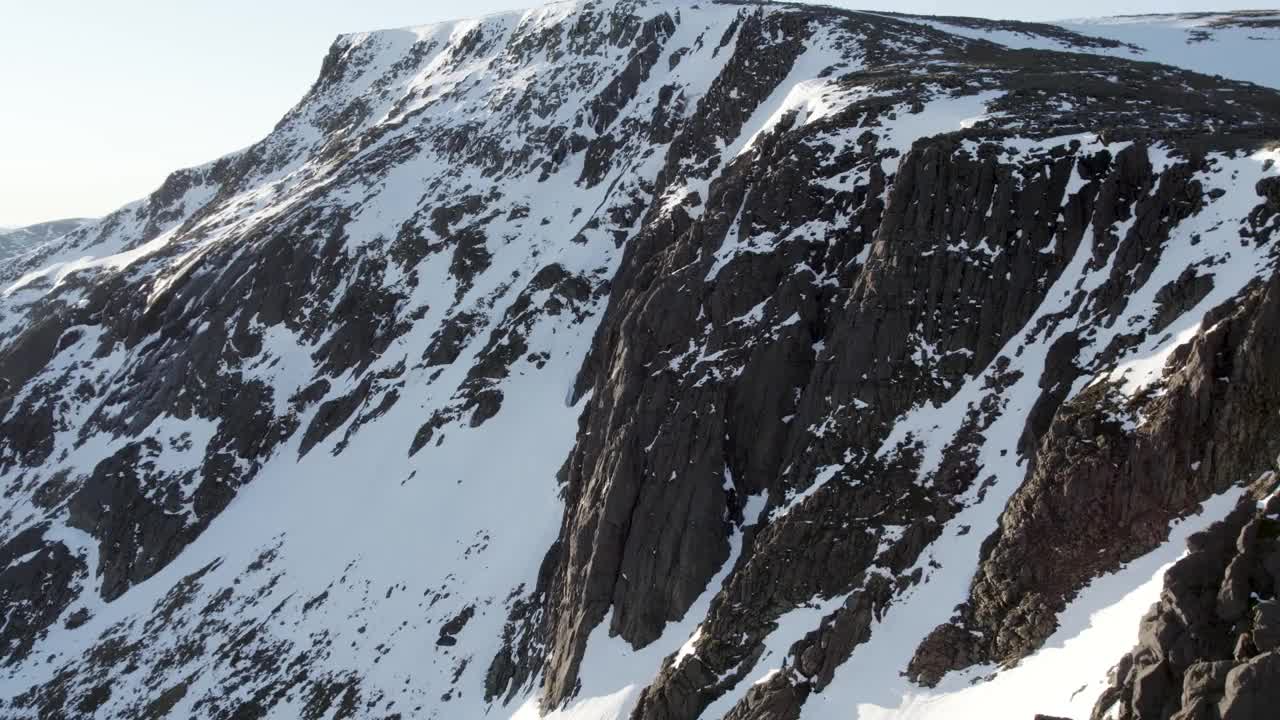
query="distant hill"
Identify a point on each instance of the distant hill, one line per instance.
(15, 240)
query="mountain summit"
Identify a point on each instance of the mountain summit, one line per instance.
(668, 360)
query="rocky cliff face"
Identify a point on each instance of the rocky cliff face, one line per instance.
(660, 360)
(1208, 648)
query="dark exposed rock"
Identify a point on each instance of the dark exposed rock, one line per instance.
(1251, 689)
(37, 583)
(595, 553)
(137, 538)
(743, 610)
(333, 414)
(775, 699)
(1191, 661)
(1060, 372)
(1106, 491)
(1266, 626)
(78, 618)
(447, 343)
(866, 340)
(449, 630)
(1180, 296)
(1204, 679)
(523, 638)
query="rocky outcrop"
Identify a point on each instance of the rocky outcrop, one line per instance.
(656, 431)
(1210, 648)
(137, 537)
(857, 357)
(38, 581)
(1112, 473)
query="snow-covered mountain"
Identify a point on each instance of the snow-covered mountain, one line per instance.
(14, 240)
(660, 359)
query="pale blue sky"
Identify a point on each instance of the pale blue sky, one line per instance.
(100, 99)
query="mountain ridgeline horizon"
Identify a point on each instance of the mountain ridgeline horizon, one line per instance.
(661, 360)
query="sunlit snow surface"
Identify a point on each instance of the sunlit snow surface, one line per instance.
(1208, 43)
(1196, 43)
(466, 522)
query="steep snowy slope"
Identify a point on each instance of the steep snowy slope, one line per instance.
(650, 359)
